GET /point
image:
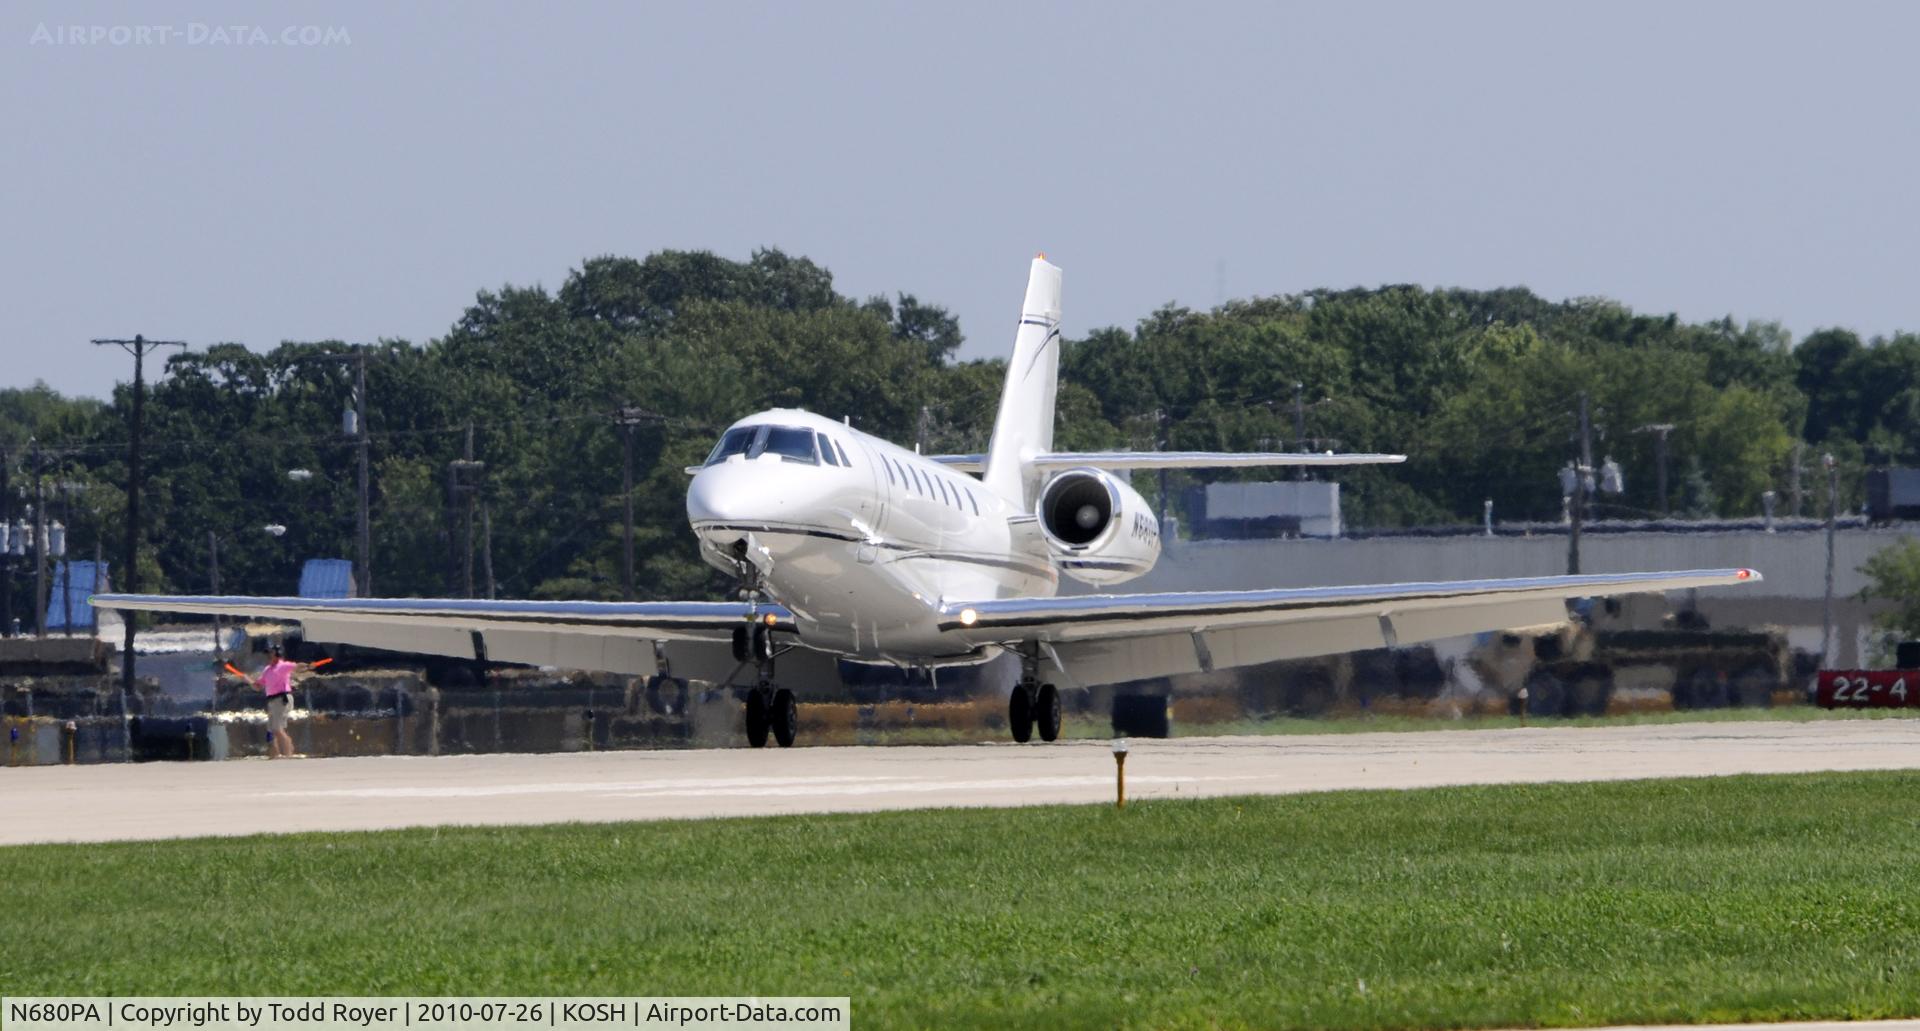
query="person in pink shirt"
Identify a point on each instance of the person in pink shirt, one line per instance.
(276, 680)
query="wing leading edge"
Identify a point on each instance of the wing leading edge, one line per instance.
(1110, 638)
(618, 637)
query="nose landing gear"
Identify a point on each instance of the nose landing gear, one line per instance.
(769, 708)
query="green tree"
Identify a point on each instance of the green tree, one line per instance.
(1893, 576)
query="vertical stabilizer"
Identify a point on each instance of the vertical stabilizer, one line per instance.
(1024, 426)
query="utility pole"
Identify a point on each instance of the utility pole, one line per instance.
(139, 346)
(363, 534)
(64, 565)
(626, 510)
(1300, 426)
(627, 418)
(39, 543)
(926, 422)
(362, 529)
(463, 485)
(1164, 418)
(6, 554)
(213, 584)
(1577, 512)
(486, 554)
(467, 520)
(1793, 477)
(1827, 642)
(1660, 431)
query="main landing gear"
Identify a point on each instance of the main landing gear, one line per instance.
(1032, 703)
(768, 708)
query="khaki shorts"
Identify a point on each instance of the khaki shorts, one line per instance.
(278, 707)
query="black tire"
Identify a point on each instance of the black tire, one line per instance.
(1047, 712)
(762, 642)
(786, 717)
(757, 718)
(1546, 695)
(1142, 715)
(1590, 692)
(1020, 713)
(666, 696)
(1699, 688)
(1752, 688)
(740, 637)
(1310, 694)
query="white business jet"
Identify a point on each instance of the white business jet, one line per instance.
(847, 546)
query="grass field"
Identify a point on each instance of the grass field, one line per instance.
(1712, 899)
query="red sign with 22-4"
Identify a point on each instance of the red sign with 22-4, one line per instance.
(1867, 688)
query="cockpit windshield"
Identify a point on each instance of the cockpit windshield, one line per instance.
(734, 442)
(791, 444)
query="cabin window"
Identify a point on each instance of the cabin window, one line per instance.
(826, 449)
(950, 499)
(888, 466)
(971, 501)
(844, 460)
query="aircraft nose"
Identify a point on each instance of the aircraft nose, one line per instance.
(710, 499)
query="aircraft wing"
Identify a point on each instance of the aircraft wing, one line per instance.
(1110, 638)
(1171, 460)
(691, 638)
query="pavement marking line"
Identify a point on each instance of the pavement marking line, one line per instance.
(146, 801)
(921, 785)
(556, 788)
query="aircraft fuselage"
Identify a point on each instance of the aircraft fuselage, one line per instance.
(860, 538)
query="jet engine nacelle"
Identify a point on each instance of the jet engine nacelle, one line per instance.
(1098, 529)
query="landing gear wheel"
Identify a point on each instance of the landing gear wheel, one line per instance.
(1046, 712)
(757, 717)
(740, 645)
(786, 717)
(762, 643)
(1020, 713)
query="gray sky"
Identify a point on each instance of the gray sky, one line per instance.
(1710, 159)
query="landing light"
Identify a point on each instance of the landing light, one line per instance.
(770, 618)
(968, 617)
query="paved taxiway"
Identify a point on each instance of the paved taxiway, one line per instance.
(160, 800)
